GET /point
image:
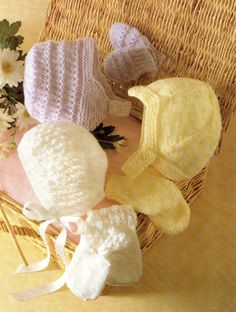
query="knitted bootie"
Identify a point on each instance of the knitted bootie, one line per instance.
(128, 64)
(180, 129)
(133, 55)
(153, 195)
(108, 253)
(63, 81)
(125, 36)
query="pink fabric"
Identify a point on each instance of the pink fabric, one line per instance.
(63, 81)
(13, 180)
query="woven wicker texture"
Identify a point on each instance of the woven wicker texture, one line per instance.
(198, 38)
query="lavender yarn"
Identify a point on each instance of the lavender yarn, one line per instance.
(63, 82)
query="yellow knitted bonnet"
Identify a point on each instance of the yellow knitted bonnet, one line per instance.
(180, 129)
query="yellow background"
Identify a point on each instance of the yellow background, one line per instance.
(191, 272)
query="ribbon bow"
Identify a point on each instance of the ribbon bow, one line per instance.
(36, 212)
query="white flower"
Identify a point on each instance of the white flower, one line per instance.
(23, 119)
(4, 121)
(4, 150)
(11, 70)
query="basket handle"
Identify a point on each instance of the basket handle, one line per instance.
(13, 236)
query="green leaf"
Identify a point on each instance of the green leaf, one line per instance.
(8, 38)
(12, 43)
(20, 39)
(7, 30)
(4, 26)
(105, 137)
(14, 27)
(21, 55)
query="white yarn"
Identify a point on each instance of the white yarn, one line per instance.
(66, 167)
(108, 253)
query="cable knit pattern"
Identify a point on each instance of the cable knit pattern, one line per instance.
(133, 56)
(66, 167)
(63, 81)
(181, 128)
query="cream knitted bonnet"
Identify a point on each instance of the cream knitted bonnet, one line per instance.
(180, 130)
(66, 167)
(63, 81)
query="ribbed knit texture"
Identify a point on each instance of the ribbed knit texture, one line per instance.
(153, 195)
(63, 81)
(133, 55)
(180, 130)
(65, 165)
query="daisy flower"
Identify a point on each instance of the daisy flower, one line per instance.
(4, 150)
(23, 119)
(4, 121)
(11, 70)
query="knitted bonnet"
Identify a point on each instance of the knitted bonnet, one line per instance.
(180, 130)
(66, 167)
(63, 81)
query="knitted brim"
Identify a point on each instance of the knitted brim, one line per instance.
(128, 64)
(145, 155)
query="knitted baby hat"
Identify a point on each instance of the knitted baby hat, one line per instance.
(154, 195)
(180, 130)
(133, 56)
(66, 167)
(63, 81)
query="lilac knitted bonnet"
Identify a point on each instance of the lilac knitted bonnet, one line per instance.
(63, 81)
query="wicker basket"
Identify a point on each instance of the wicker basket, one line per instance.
(198, 38)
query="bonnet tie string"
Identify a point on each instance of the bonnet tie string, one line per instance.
(36, 212)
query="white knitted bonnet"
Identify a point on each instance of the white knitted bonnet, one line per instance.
(66, 167)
